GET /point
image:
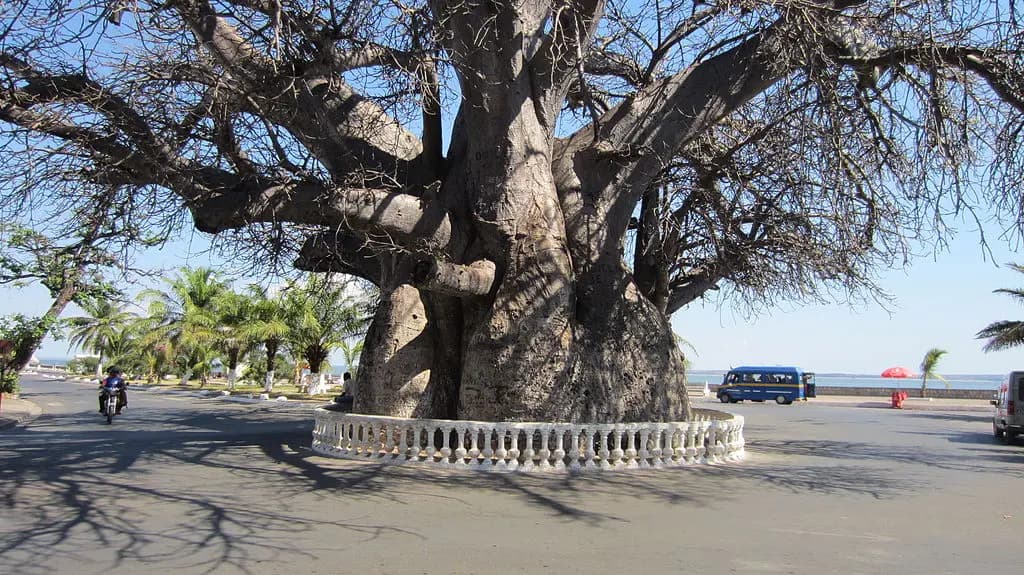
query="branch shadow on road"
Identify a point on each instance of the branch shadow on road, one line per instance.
(967, 416)
(891, 454)
(187, 489)
(228, 487)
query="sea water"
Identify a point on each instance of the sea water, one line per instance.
(958, 381)
(714, 377)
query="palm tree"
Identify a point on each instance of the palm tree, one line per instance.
(685, 344)
(267, 324)
(326, 312)
(928, 364)
(126, 350)
(95, 331)
(155, 360)
(233, 312)
(184, 317)
(351, 354)
(1005, 334)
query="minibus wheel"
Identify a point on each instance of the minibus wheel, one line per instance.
(724, 398)
(781, 400)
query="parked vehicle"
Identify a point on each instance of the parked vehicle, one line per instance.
(783, 384)
(1008, 417)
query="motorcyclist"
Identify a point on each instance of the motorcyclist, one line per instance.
(115, 381)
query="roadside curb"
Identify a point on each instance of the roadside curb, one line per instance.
(196, 393)
(280, 401)
(907, 406)
(914, 404)
(18, 412)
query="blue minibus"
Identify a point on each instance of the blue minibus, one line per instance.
(783, 384)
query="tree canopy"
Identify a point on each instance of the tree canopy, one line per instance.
(100, 330)
(532, 184)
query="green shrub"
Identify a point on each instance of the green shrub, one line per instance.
(9, 382)
(256, 372)
(83, 365)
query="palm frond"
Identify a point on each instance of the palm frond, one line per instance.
(1002, 335)
(1006, 333)
(1016, 293)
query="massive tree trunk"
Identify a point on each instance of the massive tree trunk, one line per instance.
(395, 366)
(535, 343)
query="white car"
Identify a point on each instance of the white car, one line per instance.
(1008, 418)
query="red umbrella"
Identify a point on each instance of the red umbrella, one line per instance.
(900, 372)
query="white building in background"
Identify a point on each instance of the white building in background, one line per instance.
(217, 368)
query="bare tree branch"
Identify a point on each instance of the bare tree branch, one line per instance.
(1001, 76)
(560, 53)
(406, 219)
(362, 138)
(475, 279)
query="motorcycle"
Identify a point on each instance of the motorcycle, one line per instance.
(109, 395)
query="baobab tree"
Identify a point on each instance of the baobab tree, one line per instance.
(534, 185)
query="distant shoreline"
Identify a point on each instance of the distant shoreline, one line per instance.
(824, 379)
(863, 375)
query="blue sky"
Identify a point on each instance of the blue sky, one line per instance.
(941, 302)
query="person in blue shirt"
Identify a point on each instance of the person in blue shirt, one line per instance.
(115, 381)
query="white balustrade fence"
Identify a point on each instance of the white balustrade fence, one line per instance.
(712, 436)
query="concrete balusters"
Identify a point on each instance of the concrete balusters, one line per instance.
(711, 437)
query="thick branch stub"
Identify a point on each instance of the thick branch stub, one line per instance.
(693, 289)
(404, 219)
(475, 279)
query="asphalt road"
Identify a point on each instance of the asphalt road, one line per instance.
(204, 486)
